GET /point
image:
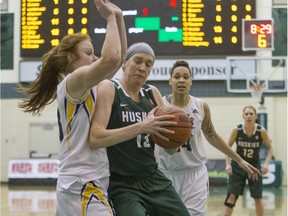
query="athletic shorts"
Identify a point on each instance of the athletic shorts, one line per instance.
(237, 182)
(153, 196)
(193, 187)
(90, 199)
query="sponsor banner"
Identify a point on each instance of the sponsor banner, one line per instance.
(274, 176)
(218, 175)
(202, 69)
(33, 168)
(216, 172)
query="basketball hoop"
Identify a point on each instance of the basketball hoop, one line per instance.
(256, 92)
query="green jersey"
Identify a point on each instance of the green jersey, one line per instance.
(249, 147)
(135, 157)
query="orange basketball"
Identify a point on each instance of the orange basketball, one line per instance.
(182, 129)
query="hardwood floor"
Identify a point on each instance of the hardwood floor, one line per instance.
(41, 201)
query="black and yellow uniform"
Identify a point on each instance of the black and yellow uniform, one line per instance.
(137, 187)
(248, 148)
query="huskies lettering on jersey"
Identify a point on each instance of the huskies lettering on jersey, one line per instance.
(249, 144)
(128, 116)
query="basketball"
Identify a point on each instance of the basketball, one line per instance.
(182, 129)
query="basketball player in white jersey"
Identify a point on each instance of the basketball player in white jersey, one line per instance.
(186, 168)
(70, 73)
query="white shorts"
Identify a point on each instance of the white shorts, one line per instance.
(84, 200)
(193, 188)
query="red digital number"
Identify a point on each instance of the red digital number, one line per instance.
(173, 3)
(266, 29)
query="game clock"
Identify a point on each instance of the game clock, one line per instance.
(257, 35)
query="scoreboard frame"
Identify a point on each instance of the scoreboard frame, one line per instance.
(257, 34)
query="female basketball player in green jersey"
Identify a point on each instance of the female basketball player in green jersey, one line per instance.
(123, 120)
(248, 137)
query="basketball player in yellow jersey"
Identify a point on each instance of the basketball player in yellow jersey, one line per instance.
(70, 73)
(186, 168)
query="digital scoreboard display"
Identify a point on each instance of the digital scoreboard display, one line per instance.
(258, 34)
(172, 27)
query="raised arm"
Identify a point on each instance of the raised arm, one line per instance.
(109, 62)
(122, 34)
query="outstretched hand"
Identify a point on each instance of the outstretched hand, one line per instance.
(116, 9)
(104, 8)
(253, 173)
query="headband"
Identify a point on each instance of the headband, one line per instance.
(139, 48)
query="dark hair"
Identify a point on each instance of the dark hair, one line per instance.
(55, 65)
(180, 63)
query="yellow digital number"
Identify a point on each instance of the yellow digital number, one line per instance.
(262, 41)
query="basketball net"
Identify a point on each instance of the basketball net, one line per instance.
(256, 92)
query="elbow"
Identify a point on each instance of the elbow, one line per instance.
(97, 139)
(112, 64)
(93, 142)
(113, 59)
(116, 59)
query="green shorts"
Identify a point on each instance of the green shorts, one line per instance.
(151, 196)
(237, 182)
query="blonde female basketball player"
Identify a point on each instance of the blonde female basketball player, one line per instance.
(70, 73)
(248, 137)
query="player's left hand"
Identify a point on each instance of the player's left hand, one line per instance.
(264, 169)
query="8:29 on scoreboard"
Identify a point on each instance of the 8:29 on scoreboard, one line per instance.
(257, 35)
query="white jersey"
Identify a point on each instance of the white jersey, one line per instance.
(78, 162)
(186, 168)
(192, 154)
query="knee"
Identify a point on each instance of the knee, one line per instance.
(230, 200)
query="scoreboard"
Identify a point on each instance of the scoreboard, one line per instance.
(258, 35)
(172, 27)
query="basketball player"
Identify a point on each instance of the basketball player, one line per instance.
(187, 168)
(73, 71)
(248, 138)
(123, 120)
